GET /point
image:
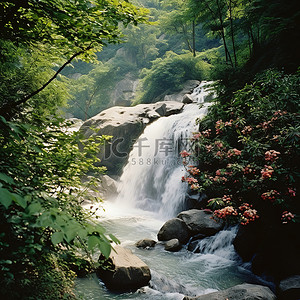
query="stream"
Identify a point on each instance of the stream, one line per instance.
(150, 192)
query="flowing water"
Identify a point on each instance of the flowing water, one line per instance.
(151, 192)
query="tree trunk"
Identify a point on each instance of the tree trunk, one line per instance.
(194, 41)
(232, 32)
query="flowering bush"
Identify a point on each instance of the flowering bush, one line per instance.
(248, 148)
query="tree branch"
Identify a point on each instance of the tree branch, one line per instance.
(8, 109)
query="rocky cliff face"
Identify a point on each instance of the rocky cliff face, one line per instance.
(125, 124)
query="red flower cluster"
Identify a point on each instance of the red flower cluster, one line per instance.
(225, 212)
(195, 186)
(247, 170)
(233, 152)
(219, 125)
(229, 123)
(191, 180)
(247, 214)
(220, 154)
(267, 172)
(271, 195)
(287, 217)
(193, 170)
(265, 125)
(208, 148)
(271, 155)
(196, 136)
(184, 154)
(280, 113)
(247, 130)
(219, 144)
(206, 133)
(226, 199)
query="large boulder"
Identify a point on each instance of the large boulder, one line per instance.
(239, 292)
(200, 221)
(289, 288)
(174, 229)
(125, 124)
(187, 99)
(124, 271)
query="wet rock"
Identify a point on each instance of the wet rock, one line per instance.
(239, 292)
(289, 288)
(174, 229)
(247, 241)
(173, 245)
(193, 244)
(166, 285)
(126, 271)
(187, 99)
(200, 221)
(125, 124)
(145, 243)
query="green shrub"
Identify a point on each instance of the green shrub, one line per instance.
(41, 215)
(247, 152)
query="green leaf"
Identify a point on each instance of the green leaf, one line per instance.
(19, 200)
(105, 248)
(5, 178)
(71, 233)
(34, 208)
(5, 197)
(114, 239)
(93, 241)
(57, 237)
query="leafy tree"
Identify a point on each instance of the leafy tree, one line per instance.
(70, 29)
(168, 74)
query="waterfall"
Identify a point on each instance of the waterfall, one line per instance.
(202, 92)
(151, 180)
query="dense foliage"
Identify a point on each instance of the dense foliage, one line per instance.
(41, 196)
(168, 74)
(247, 152)
(44, 229)
(59, 31)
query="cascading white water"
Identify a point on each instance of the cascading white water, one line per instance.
(202, 92)
(151, 180)
(151, 191)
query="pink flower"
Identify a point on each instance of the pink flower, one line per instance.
(208, 148)
(219, 144)
(271, 155)
(184, 153)
(292, 193)
(193, 170)
(247, 130)
(196, 136)
(234, 151)
(270, 195)
(287, 217)
(206, 133)
(267, 172)
(195, 186)
(225, 212)
(218, 172)
(191, 180)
